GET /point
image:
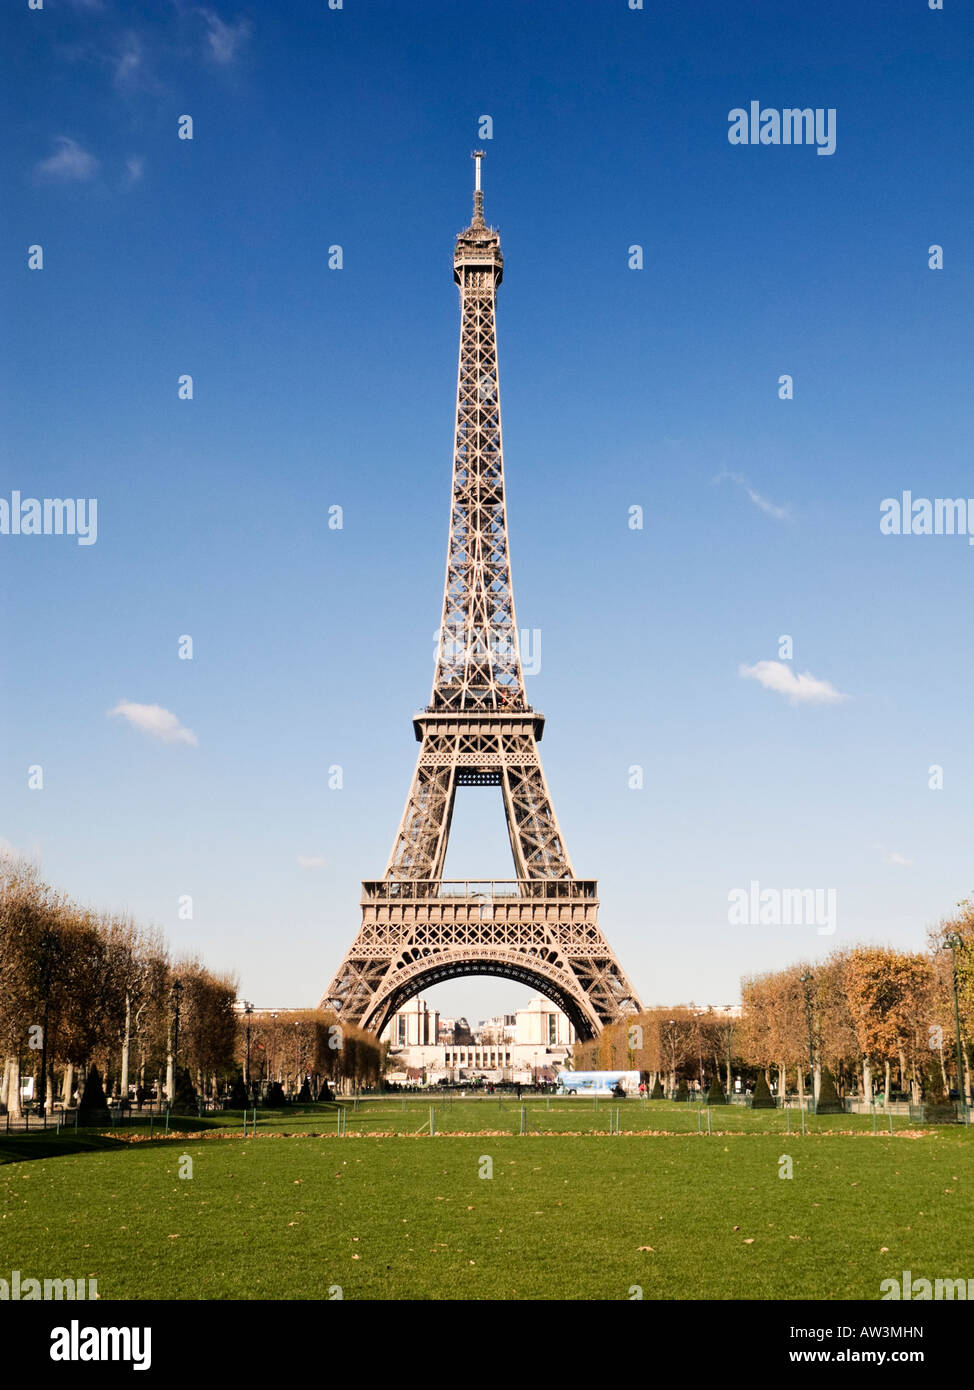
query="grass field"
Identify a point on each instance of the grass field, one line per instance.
(297, 1211)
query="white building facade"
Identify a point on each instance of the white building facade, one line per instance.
(529, 1045)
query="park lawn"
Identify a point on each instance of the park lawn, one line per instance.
(278, 1218)
(410, 1115)
(562, 1115)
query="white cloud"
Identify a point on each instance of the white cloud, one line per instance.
(780, 513)
(135, 168)
(899, 859)
(127, 62)
(68, 164)
(805, 689)
(153, 719)
(315, 861)
(224, 41)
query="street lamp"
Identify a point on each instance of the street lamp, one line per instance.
(956, 943)
(248, 1010)
(805, 978)
(176, 994)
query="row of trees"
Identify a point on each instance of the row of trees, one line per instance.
(301, 1046)
(81, 989)
(874, 1016)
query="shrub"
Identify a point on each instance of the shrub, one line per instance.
(93, 1107)
(762, 1098)
(238, 1098)
(682, 1091)
(275, 1098)
(828, 1102)
(657, 1093)
(937, 1108)
(715, 1096)
(185, 1101)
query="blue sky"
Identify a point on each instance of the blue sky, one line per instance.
(655, 388)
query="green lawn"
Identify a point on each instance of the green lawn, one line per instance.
(410, 1115)
(562, 1217)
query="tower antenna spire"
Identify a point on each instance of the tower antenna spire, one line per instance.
(478, 195)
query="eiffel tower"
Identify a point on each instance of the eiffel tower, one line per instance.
(479, 731)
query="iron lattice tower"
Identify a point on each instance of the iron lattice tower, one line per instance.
(478, 730)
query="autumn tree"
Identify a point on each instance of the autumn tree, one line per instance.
(888, 993)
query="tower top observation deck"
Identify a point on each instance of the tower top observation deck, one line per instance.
(478, 246)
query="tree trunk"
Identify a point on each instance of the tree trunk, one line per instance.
(867, 1081)
(13, 1088)
(124, 1083)
(943, 1073)
(67, 1083)
(800, 1078)
(914, 1083)
(4, 1083)
(886, 1084)
(170, 1069)
(817, 1081)
(782, 1081)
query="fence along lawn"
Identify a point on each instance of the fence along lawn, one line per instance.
(410, 1115)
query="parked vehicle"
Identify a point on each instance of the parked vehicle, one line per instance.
(597, 1083)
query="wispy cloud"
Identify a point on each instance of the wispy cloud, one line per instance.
(804, 689)
(314, 861)
(764, 504)
(127, 62)
(153, 719)
(69, 163)
(899, 859)
(224, 41)
(134, 169)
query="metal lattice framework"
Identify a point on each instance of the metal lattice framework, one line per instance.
(478, 730)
